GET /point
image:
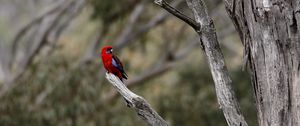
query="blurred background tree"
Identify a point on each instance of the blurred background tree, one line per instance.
(51, 73)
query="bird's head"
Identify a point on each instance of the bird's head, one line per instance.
(107, 50)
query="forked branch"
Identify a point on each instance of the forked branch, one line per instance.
(208, 39)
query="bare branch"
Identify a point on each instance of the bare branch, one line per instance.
(177, 13)
(223, 83)
(153, 72)
(140, 105)
(208, 39)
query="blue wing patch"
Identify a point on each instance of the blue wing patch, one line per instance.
(115, 64)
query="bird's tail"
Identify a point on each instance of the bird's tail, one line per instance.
(124, 75)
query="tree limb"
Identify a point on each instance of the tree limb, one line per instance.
(140, 105)
(223, 84)
(143, 77)
(177, 13)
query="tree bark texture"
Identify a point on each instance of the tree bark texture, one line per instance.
(269, 30)
(204, 26)
(139, 104)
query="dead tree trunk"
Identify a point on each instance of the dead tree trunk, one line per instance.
(270, 33)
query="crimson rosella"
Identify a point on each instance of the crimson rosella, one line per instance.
(111, 63)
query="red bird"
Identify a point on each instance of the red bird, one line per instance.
(112, 63)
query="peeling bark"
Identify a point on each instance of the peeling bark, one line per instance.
(270, 34)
